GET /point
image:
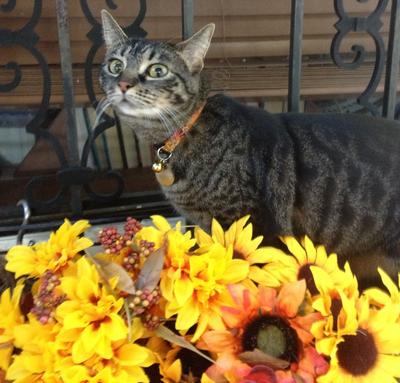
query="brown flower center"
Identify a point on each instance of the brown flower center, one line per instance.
(357, 354)
(336, 306)
(306, 274)
(272, 335)
(238, 254)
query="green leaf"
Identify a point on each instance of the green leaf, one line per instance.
(170, 336)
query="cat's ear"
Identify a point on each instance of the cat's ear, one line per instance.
(194, 50)
(112, 32)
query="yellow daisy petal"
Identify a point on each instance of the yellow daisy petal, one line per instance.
(295, 248)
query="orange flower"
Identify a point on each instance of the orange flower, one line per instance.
(262, 323)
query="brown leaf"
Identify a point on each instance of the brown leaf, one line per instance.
(170, 336)
(257, 357)
(298, 379)
(109, 270)
(6, 345)
(150, 273)
(2, 376)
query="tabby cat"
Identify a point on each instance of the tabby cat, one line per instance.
(333, 177)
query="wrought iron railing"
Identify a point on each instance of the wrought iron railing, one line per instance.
(75, 176)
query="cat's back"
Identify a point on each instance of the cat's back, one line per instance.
(347, 178)
(347, 128)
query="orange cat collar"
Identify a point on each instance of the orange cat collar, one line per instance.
(164, 153)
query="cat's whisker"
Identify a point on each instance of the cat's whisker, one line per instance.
(164, 122)
(101, 103)
(100, 110)
(178, 117)
(173, 123)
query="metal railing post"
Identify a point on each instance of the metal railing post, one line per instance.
(69, 104)
(392, 63)
(296, 37)
(187, 18)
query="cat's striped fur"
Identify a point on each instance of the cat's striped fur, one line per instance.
(333, 177)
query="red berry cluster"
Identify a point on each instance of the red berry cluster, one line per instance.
(146, 248)
(113, 242)
(142, 301)
(131, 227)
(133, 259)
(46, 300)
(151, 321)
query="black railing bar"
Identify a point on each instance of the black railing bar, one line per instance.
(187, 18)
(93, 148)
(296, 37)
(13, 214)
(163, 208)
(69, 104)
(137, 149)
(121, 142)
(392, 63)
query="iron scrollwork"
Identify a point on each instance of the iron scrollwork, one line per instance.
(371, 25)
(9, 6)
(96, 37)
(27, 38)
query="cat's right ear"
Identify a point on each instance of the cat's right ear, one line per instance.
(194, 50)
(112, 32)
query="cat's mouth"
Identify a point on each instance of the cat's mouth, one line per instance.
(131, 108)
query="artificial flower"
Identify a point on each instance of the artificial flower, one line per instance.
(263, 321)
(90, 315)
(195, 287)
(371, 352)
(53, 255)
(381, 298)
(125, 366)
(157, 232)
(10, 317)
(337, 305)
(177, 364)
(39, 352)
(281, 267)
(170, 367)
(240, 236)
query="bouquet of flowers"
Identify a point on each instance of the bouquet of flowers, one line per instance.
(161, 304)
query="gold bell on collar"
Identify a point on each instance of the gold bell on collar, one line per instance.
(157, 167)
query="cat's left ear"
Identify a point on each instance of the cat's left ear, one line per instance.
(112, 32)
(194, 50)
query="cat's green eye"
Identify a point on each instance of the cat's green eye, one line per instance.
(157, 70)
(116, 66)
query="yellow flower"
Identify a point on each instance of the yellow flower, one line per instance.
(156, 233)
(283, 268)
(195, 286)
(170, 367)
(240, 237)
(381, 298)
(89, 316)
(10, 317)
(53, 255)
(125, 365)
(337, 305)
(371, 354)
(36, 362)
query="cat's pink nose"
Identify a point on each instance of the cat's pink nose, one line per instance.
(124, 86)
